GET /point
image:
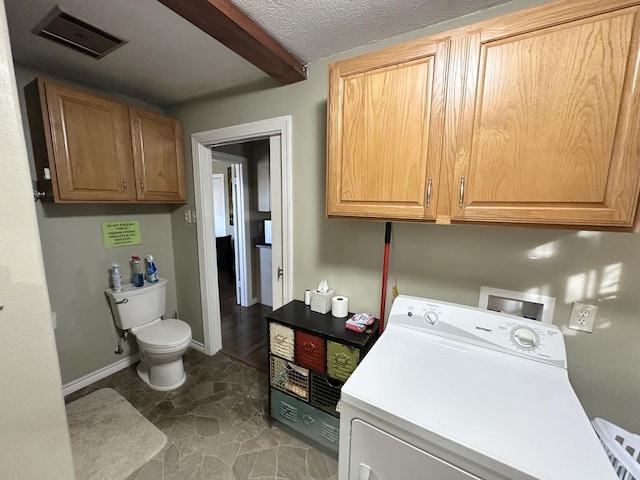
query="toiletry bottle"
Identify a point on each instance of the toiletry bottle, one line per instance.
(152, 271)
(116, 278)
(137, 278)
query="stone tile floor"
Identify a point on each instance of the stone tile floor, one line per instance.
(216, 426)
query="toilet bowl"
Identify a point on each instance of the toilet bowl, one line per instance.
(161, 343)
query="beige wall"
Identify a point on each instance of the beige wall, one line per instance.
(444, 262)
(34, 440)
(77, 268)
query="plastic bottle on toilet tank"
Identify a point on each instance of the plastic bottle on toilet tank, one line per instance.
(137, 278)
(152, 271)
(116, 277)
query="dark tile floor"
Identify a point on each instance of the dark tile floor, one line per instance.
(217, 427)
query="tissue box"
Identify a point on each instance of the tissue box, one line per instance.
(321, 302)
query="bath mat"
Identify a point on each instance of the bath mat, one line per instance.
(110, 439)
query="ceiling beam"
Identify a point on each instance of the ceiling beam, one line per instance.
(225, 22)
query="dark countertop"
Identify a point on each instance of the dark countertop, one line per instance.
(297, 314)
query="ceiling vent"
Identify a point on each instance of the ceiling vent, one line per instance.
(68, 30)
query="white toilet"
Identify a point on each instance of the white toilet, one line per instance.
(161, 343)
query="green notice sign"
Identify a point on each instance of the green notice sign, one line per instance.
(120, 234)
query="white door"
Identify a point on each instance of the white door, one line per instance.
(242, 218)
(277, 272)
(219, 205)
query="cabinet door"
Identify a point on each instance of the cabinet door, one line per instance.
(385, 126)
(550, 119)
(91, 146)
(158, 159)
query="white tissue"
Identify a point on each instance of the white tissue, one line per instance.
(323, 287)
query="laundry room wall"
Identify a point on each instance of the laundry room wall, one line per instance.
(449, 263)
(34, 442)
(77, 265)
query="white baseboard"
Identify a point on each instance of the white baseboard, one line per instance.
(93, 377)
(197, 346)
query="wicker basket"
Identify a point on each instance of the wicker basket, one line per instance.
(290, 377)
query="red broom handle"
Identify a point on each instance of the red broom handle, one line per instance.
(385, 272)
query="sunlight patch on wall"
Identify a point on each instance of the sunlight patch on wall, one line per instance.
(610, 282)
(602, 285)
(588, 234)
(581, 286)
(541, 290)
(547, 250)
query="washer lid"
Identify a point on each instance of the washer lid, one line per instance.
(164, 334)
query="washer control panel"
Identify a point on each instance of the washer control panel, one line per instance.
(498, 331)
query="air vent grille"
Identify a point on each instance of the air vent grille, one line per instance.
(77, 34)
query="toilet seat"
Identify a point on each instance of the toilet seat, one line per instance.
(164, 334)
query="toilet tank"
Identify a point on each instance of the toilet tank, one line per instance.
(135, 306)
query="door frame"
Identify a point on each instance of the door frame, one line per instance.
(202, 171)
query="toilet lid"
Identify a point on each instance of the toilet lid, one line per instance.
(165, 334)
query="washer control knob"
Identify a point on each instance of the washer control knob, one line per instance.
(431, 317)
(525, 338)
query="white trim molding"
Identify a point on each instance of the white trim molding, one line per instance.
(197, 346)
(93, 377)
(202, 171)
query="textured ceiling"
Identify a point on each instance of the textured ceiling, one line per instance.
(167, 60)
(314, 29)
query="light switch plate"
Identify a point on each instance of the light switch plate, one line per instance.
(582, 317)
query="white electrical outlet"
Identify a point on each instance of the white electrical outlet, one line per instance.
(193, 217)
(187, 216)
(582, 317)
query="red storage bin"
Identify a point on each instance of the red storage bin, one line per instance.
(310, 352)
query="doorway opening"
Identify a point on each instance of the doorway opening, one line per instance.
(242, 213)
(247, 290)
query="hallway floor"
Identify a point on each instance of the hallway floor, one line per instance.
(216, 426)
(244, 329)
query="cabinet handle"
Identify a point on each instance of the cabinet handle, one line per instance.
(308, 419)
(309, 347)
(429, 193)
(461, 192)
(141, 185)
(124, 183)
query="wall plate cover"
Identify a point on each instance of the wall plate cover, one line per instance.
(582, 317)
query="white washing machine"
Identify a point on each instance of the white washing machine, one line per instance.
(451, 392)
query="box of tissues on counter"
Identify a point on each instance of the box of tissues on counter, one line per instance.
(321, 298)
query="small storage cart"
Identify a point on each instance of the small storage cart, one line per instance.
(311, 355)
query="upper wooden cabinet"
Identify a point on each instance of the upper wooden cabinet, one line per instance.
(157, 154)
(386, 118)
(84, 151)
(542, 122)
